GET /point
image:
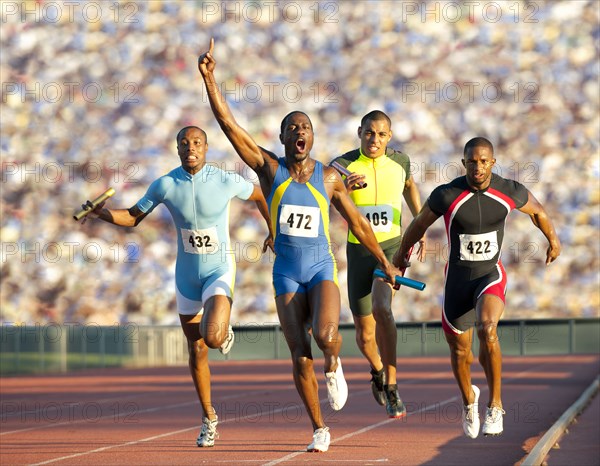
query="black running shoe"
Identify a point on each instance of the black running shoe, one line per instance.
(393, 404)
(377, 382)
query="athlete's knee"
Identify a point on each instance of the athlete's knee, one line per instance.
(487, 332)
(214, 335)
(383, 315)
(197, 350)
(302, 364)
(327, 335)
(461, 353)
(364, 337)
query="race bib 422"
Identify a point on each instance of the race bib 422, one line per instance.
(482, 247)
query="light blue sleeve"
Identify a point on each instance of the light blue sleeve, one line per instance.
(237, 186)
(155, 195)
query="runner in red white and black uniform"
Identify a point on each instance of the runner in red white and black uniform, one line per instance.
(474, 220)
(475, 208)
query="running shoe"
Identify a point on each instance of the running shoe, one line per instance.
(321, 440)
(377, 382)
(337, 388)
(228, 343)
(493, 423)
(471, 416)
(393, 404)
(208, 433)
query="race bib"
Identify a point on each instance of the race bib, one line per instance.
(483, 247)
(297, 220)
(200, 241)
(379, 216)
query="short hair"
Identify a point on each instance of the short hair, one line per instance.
(283, 122)
(375, 115)
(184, 129)
(478, 142)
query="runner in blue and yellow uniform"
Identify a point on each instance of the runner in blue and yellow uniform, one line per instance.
(302, 246)
(198, 197)
(386, 174)
(299, 190)
(475, 208)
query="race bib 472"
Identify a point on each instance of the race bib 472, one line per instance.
(297, 220)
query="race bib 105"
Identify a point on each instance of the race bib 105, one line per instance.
(379, 216)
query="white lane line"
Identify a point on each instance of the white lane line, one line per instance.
(387, 421)
(149, 439)
(292, 455)
(363, 430)
(124, 413)
(65, 404)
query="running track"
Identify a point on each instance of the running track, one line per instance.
(151, 416)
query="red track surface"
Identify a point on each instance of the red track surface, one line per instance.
(151, 416)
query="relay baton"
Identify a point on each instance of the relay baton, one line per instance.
(403, 269)
(89, 206)
(400, 280)
(408, 254)
(344, 171)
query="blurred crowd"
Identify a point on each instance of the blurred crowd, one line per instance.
(93, 97)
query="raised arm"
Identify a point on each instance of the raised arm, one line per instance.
(254, 156)
(414, 233)
(540, 219)
(357, 223)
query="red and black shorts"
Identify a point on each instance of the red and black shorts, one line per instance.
(462, 291)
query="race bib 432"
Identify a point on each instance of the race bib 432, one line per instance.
(204, 241)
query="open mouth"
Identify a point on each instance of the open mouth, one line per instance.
(300, 145)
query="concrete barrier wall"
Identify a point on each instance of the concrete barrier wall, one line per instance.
(62, 348)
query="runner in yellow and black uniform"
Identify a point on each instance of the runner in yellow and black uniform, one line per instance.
(386, 173)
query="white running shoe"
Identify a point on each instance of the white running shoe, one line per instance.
(337, 388)
(208, 433)
(493, 424)
(321, 439)
(471, 416)
(228, 343)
